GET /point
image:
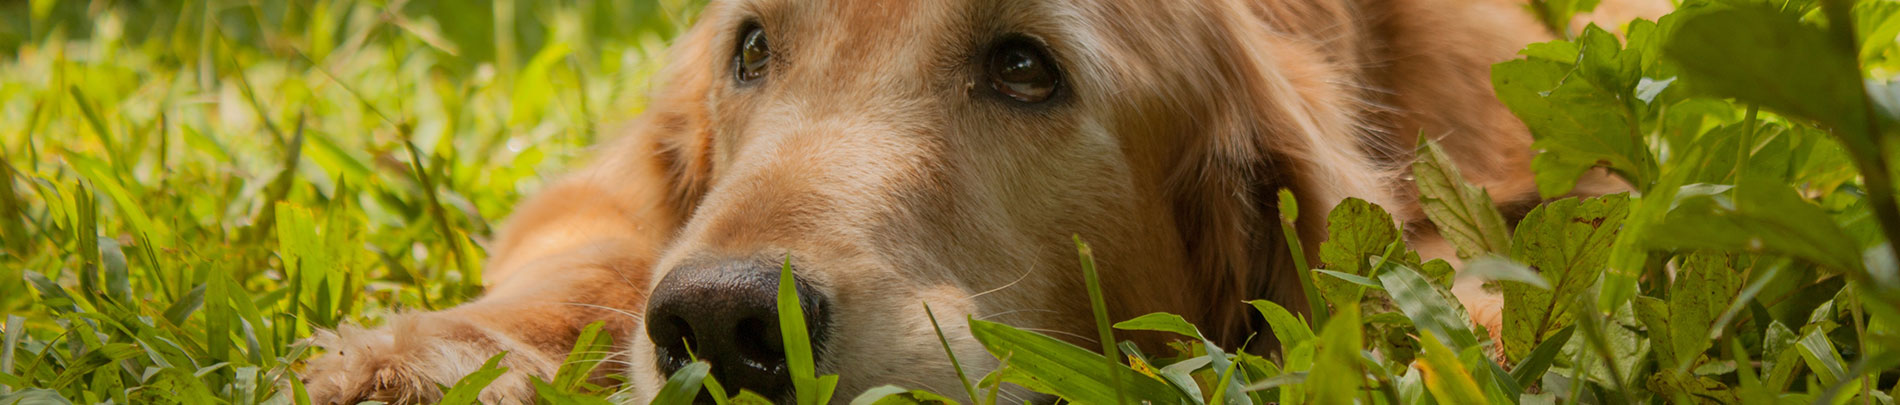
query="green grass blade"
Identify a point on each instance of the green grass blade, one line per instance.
(16, 327)
(1069, 370)
(1110, 354)
(1337, 377)
(591, 348)
(945, 341)
(791, 323)
(468, 390)
(881, 395)
(1290, 231)
(1162, 322)
(1445, 376)
(1428, 309)
(683, 385)
(1287, 328)
(1532, 368)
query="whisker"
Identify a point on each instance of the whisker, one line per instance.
(608, 308)
(1019, 279)
(989, 316)
(1057, 332)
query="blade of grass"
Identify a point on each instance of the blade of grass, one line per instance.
(683, 386)
(16, 327)
(964, 378)
(468, 390)
(1289, 228)
(1533, 367)
(590, 350)
(1110, 353)
(806, 385)
(1044, 364)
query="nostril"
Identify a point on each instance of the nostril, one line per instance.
(760, 343)
(673, 342)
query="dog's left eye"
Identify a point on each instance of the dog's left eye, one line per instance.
(749, 62)
(1021, 69)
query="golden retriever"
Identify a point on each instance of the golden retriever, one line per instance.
(942, 152)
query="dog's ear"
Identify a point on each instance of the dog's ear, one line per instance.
(674, 134)
(638, 187)
(1287, 118)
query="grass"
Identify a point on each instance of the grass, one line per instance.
(188, 188)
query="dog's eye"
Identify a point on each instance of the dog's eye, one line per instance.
(1021, 70)
(748, 63)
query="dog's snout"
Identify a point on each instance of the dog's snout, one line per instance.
(726, 314)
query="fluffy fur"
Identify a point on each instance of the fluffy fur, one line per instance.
(874, 155)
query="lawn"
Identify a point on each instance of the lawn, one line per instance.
(190, 188)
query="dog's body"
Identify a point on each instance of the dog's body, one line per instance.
(871, 146)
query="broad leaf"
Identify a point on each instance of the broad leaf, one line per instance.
(1357, 231)
(1464, 213)
(1066, 369)
(1568, 242)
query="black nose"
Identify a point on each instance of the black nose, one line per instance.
(727, 312)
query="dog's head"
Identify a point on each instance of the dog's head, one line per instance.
(942, 153)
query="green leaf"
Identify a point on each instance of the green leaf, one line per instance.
(100, 175)
(1336, 377)
(591, 348)
(1429, 310)
(791, 322)
(185, 306)
(1068, 370)
(1290, 330)
(1351, 279)
(1705, 283)
(1763, 54)
(968, 389)
(1777, 359)
(1568, 241)
(1289, 231)
(1654, 314)
(1357, 231)
(1446, 377)
(894, 395)
(551, 395)
(16, 327)
(1531, 370)
(1760, 217)
(1579, 104)
(1819, 354)
(1163, 322)
(1557, 14)
(1111, 355)
(468, 390)
(1493, 268)
(683, 385)
(1464, 213)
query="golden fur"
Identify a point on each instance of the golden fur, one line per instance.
(873, 157)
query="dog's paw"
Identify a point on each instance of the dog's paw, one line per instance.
(411, 358)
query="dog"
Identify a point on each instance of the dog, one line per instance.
(899, 153)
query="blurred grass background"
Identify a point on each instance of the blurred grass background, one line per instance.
(247, 169)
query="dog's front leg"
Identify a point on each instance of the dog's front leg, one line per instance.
(578, 253)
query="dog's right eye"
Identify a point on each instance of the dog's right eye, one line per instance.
(749, 62)
(1023, 71)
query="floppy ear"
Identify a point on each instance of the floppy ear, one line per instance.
(1288, 118)
(638, 188)
(677, 122)
(672, 140)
